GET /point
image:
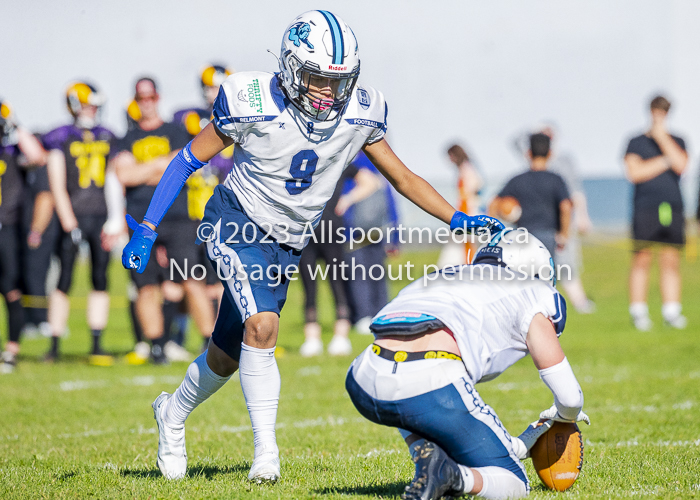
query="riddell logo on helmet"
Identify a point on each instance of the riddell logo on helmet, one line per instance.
(337, 68)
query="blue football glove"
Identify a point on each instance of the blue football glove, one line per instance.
(137, 252)
(462, 222)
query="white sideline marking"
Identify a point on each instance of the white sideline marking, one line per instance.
(634, 442)
(620, 375)
(309, 371)
(375, 453)
(142, 381)
(79, 385)
(331, 421)
(301, 424)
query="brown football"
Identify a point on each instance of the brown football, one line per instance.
(509, 209)
(558, 456)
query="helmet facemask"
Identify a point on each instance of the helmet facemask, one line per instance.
(308, 80)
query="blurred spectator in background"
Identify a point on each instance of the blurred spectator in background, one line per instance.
(327, 245)
(655, 161)
(40, 230)
(544, 200)
(367, 203)
(469, 184)
(139, 160)
(200, 185)
(133, 115)
(571, 255)
(76, 168)
(18, 149)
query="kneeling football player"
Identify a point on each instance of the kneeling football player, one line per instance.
(449, 331)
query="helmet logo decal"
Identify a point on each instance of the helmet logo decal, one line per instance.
(299, 32)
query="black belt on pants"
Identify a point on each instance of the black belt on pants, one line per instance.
(401, 356)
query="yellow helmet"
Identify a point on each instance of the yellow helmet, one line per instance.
(5, 110)
(214, 75)
(80, 94)
(7, 124)
(133, 111)
(133, 114)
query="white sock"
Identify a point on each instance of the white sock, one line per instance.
(467, 477)
(500, 483)
(260, 381)
(200, 383)
(671, 310)
(639, 310)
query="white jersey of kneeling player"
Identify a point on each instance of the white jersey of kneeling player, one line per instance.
(286, 165)
(489, 317)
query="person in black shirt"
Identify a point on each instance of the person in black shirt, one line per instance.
(655, 162)
(76, 166)
(139, 160)
(327, 245)
(200, 186)
(17, 148)
(543, 197)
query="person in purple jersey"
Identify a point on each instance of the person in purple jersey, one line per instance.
(18, 148)
(76, 166)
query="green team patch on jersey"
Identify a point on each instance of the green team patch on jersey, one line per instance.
(665, 214)
(254, 96)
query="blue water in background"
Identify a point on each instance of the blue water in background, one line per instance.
(609, 201)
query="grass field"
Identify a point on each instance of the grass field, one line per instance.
(70, 430)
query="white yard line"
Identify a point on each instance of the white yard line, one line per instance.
(331, 421)
(635, 442)
(142, 381)
(618, 376)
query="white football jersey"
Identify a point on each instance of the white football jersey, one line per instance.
(286, 165)
(489, 318)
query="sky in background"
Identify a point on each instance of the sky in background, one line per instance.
(473, 72)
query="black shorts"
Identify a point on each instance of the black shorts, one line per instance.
(176, 244)
(91, 231)
(9, 258)
(654, 226)
(658, 226)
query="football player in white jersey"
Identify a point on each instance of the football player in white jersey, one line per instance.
(294, 132)
(442, 335)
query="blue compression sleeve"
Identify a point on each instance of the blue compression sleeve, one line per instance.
(170, 185)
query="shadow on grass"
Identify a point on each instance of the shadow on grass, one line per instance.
(377, 490)
(206, 471)
(66, 475)
(540, 488)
